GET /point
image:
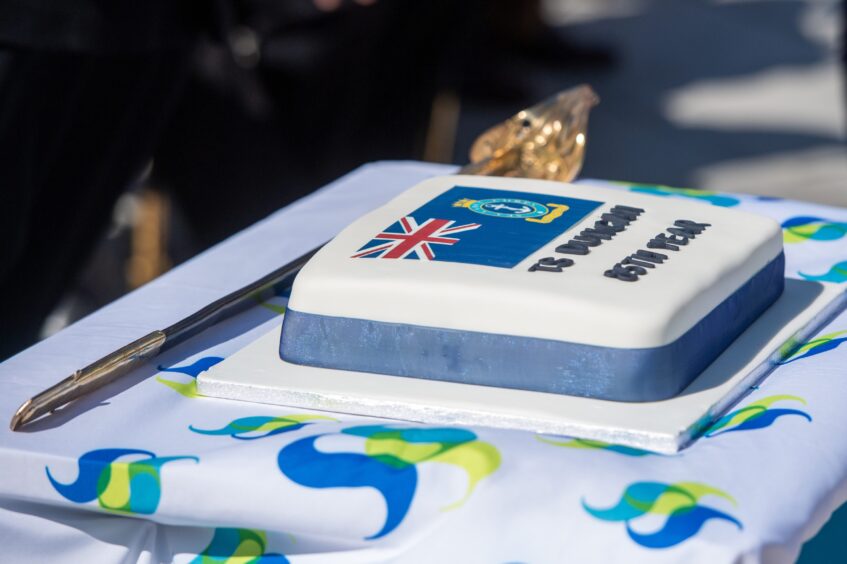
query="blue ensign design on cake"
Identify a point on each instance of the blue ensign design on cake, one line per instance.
(537, 286)
(478, 226)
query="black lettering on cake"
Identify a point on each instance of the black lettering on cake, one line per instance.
(675, 239)
(573, 248)
(589, 238)
(551, 264)
(614, 221)
(632, 259)
(599, 229)
(621, 272)
(658, 258)
(605, 234)
(660, 242)
(695, 227)
(636, 264)
(682, 232)
(626, 212)
(611, 223)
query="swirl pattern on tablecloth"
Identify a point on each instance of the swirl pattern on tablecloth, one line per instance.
(680, 502)
(389, 463)
(128, 487)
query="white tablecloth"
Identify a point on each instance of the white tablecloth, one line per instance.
(145, 470)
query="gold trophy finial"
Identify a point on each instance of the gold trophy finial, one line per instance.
(544, 141)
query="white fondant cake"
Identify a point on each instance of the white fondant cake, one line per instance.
(535, 285)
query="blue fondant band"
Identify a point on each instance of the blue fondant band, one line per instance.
(645, 374)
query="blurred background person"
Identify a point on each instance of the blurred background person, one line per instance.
(231, 108)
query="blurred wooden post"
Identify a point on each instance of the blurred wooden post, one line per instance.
(148, 252)
(441, 133)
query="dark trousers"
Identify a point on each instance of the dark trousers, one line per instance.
(75, 131)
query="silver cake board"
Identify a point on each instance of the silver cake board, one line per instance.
(257, 374)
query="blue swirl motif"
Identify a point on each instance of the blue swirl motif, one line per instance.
(590, 444)
(837, 273)
(189, 388)
(680, 502)
(282, 291)
(128, 487)
(804, 228)
(258, 427)
(757, 415)
(238, 546)
(817, 346)
(713, 198)
(389, 464)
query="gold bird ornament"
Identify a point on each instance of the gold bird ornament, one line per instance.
(545, 141)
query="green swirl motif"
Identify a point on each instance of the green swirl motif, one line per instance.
(757, 415)
(409, 447)
(238, 546)
(806, 228)
(272, 304)
(389, 464)
(816, 346)
(713, 198)
(127, 487)
(680, 502)
(188, 388)
(594, 445)
(837, 273)
(257, 427)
